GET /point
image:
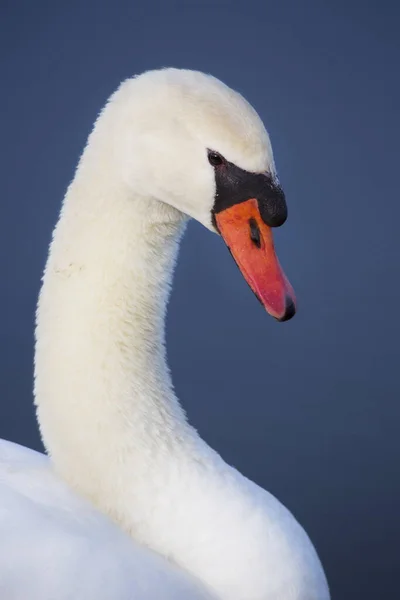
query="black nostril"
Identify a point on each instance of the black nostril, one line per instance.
(255, 233)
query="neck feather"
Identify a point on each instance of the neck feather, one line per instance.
(102, 386)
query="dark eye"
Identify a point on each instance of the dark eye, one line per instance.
(215, 159)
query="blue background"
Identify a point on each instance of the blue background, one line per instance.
(309, 409)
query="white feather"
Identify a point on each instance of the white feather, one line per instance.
(129, 471)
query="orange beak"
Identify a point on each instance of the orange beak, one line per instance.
(251, 244)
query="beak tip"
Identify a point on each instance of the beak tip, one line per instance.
(290, 309)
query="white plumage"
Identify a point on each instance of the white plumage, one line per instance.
(127, 470)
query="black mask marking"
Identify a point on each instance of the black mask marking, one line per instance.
(235, 185)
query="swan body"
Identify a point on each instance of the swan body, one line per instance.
(131, 503)
(54, 546)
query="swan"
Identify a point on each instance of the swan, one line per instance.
(130, 503)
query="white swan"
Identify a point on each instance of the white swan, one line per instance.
(127, 471)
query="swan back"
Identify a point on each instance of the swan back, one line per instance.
(54, 544)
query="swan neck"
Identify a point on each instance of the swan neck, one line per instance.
(102, 384)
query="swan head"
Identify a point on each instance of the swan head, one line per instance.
(184, 138)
